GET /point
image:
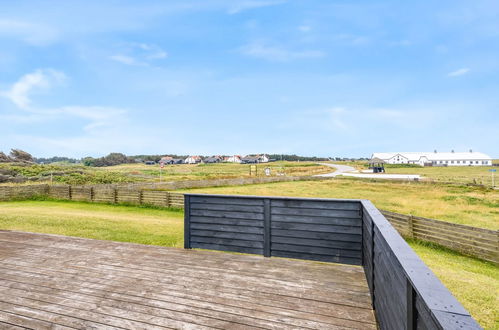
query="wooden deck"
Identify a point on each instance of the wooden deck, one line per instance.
(56, 282)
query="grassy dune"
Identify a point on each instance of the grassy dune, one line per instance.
(215, 171)
(127, 173)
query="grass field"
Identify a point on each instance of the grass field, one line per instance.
(127, 173)
(106, 222)
(475, 283)
(216, 171)
(472, 206)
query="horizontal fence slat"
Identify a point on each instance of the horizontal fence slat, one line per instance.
(230, 235)
(227, 241)
(317, 220)
(227, 207)
(324, 205)
(227, 214)
(228, 228)
(227, 221)
(317, 235)
(316, 242)
(316, 212)
(317, 228)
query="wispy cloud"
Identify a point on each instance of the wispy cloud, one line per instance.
(252, 4)
(139, 54)
(277, 53)
(459, 72)
(125, 59)
(41, 79)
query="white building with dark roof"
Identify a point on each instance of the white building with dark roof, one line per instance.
(435, 158)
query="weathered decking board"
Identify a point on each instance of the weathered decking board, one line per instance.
(48, 280)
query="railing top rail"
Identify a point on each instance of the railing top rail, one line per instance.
(436, 296)
(277, 197)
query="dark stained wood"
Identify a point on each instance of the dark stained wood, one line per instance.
(406, 294)
(324, 230)
(50, 281)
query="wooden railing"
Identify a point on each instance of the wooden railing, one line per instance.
(312, 229)
(477, 242)
(405, 293)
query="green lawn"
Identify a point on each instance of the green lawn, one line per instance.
(472, 206)
(106, 222)
(475, 283)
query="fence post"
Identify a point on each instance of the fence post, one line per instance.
(372, 265)
(91, 194)
(167, 199)
(70, 192)
(410, 222)
(140, 196)
(115, 195)
(187, 220)
(411, 310)
(266, 228)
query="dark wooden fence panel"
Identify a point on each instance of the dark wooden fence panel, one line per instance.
(323, 230)
(226, 224)
(316, 230)
(405, 292)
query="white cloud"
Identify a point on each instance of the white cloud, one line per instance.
(459, 72)
(276, 53)
(252, 4)
(41, 79)
(44, 79)
(32, 33)
(139, 54)
(124, 59)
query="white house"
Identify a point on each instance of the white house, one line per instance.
(233, 159)
(435, 158)
(263, 159)
(193, 160)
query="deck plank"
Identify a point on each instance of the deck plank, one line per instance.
(66, 282)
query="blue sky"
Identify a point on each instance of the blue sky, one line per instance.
(326, 78)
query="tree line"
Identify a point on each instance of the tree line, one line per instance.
(116, 158)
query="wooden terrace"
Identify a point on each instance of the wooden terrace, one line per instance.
(57, 282)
